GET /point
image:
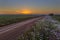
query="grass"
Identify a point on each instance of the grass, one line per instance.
(9, 19)
(57, 17)
(41, 30)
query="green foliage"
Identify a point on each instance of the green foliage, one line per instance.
(57, 17)
(41, 30)
(9, 19)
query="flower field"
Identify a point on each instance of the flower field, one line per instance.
(41, 30)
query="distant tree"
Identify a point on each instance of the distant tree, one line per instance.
(51, 14)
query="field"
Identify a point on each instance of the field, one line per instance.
(9, 19)
(56, 17)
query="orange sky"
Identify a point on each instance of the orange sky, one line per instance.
(32, 6)
(32, 11)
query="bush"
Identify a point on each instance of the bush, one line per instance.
(51, 14)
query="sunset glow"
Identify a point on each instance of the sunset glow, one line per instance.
(25, 11)
(29, 6)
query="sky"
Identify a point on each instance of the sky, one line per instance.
(35, 6)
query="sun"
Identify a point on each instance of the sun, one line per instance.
(25, 11)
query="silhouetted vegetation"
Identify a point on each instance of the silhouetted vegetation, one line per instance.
(51, 14)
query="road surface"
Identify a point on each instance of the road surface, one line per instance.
(11, 32)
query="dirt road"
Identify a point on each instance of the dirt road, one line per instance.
(11, 32)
